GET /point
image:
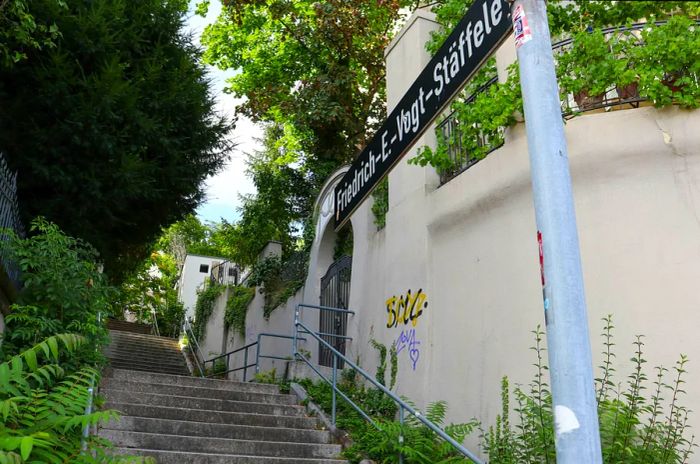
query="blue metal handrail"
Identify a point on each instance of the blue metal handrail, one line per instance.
(192, 339)
(403, 406)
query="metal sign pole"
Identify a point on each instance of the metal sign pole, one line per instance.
(577, 435)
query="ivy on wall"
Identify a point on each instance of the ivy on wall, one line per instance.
(237, 308)
(380, 206)
(206, 298)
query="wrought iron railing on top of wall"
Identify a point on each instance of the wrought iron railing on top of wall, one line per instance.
(9, 218)
(225, 272)
(448, 128)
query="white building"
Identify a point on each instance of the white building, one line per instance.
(198, 269)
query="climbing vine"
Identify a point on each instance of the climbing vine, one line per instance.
(237, 308)
(380, 206)
(205, 307)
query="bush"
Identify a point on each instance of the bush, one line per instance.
(43, 410)
(206, 298)
(237, 308)
(63, 291)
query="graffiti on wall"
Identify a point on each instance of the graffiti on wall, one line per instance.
(405, 308)
(407, 341)
(402, 310)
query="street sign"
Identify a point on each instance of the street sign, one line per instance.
(478, 34)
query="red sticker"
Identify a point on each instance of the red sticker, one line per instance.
(539, 242)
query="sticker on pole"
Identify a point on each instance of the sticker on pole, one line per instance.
(521, 28)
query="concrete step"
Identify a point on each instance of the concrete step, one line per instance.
(159, 441)
(129, 326)
(173, 356)
(176, 457)
(159, 370)
(136, 337)
(189, 381)
(123, 396)
(197, 392)
(214, 417)
(154, 363)
(214, 430)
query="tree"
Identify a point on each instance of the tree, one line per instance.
(20, 31)
(314, 71)
(317, 67)
(112, 130)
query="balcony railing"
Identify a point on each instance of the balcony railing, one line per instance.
(225, 273)
(448, 130)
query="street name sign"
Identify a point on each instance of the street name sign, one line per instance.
(482, 29)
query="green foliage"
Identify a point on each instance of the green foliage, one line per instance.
(278, 279)
(344, 242)
(638, 425)
(151, 291)
(662, 66)
(668, 63)
(43, 407)
(482, 117)
(380, 376)
(191, 236)
(21, 31)
(206, 298)
(63, 291)
(113, 130)
(237, 307)
(380, 205)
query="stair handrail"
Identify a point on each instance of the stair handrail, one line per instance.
(156, 330)
(191, 338)
(403, 406)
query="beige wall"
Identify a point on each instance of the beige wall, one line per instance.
(470, 248)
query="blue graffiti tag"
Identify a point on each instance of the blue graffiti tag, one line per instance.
(407, 339)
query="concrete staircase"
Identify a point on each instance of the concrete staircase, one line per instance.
(140, 352)
(180, 419)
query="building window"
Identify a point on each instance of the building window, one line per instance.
(231, 271)
(204, 268)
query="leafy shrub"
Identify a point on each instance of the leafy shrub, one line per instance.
(635, 428)
(63, 291)
(380, 205)
(237, 307)
(278, 279)
(43, 408)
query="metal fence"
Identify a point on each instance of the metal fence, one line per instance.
(225, 272)
(9, 218)
(448, 130)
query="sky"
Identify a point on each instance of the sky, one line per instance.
(224, 189)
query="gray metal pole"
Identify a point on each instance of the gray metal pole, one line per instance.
(573, 392)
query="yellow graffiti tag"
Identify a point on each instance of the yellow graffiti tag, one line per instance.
(405, 308)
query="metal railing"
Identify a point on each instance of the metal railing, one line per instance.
(333, 382)
(258, 356)
(193, 346)
(225, 272)
(448, 132)
(9, 219)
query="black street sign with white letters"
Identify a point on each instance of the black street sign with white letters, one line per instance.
(478, 34)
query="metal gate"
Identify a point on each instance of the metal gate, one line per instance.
(335, 293)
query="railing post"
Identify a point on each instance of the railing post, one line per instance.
(294, 332)
(335, 377)
(401, 422)
(257, 356)
(88, 410)
(245, 364)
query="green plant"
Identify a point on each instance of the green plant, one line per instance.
(270, 377)
(481, 119)
(635, 428)
(668, 63)
(63, 291)
(589, 67)
(380, 205)
(43, 407)
(269, 275)
(206, 298)
(237, 307)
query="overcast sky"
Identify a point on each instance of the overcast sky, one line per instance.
(224, 189)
